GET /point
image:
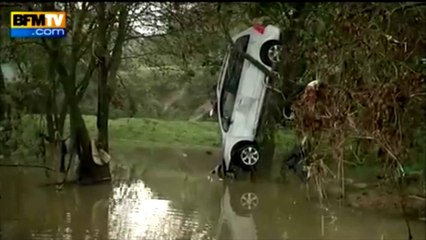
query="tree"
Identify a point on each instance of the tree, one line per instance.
(88, 170)
(108, 61)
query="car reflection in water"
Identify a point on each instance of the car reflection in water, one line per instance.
(237, 216)
(259, 210)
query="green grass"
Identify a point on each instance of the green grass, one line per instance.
(141, 131)
(133, 132)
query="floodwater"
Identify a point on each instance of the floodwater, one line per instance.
(165, 194)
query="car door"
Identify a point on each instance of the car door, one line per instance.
(231, 82)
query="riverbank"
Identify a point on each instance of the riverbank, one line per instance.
(129, 135)
(380, 196)
(131, 132)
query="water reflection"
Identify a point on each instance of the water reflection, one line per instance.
(136, 213)
(133, 208)
(264, 211)
(174, 200)
(240, 226)
(270, 211)
(31, 210)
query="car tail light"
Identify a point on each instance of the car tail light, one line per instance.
(259, 28)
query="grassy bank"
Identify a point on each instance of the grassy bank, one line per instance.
(133, 132)
(142, 131)
(130, 133)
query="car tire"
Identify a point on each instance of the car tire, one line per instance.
(288, 113)
(248, 156)
(270, 52)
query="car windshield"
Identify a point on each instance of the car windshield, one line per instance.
(232, 80)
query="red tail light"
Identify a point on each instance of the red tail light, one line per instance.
(259, 28)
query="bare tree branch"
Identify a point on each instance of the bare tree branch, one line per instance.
(119, 41)
(84, 83)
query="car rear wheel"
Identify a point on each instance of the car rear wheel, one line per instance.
(249, 155)
(270, 52)
(288, 113)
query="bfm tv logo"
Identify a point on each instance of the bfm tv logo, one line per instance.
(38, 24)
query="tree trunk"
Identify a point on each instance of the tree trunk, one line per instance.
(60, 119)
(103, 95)
(108, 65)
(56, 152)
(5, 126)
(2, 92)
(291, 69)
(88, 171)
(50, 110)
(267, 140)
(2, 80)
(2, 114)
(103, 107)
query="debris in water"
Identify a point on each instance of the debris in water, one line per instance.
(100, 157)
(59, 187)
(349, 181)
(209, 178)
(360, 185)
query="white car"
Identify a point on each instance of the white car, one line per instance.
(241, 92)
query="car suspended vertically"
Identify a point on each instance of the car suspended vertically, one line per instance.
(240, 93)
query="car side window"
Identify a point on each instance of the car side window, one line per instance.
(222, 69)
(232, 80)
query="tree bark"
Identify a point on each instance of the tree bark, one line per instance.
(5, 124)
(3, 136)
(88, 171)
(103, 95)
(103, 107)
(2, 92)
(108, 66)
(2, 81)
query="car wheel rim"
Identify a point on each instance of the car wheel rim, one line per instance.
(274, 53)
(250, 156)
(249, 200)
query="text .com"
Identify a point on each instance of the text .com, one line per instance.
(38, 32)
(46, 32)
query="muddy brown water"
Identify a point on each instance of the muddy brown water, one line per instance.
(165, 194)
